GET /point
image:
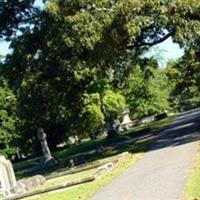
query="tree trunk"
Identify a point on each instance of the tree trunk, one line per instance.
(111, 131)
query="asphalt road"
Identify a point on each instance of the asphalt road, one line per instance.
(161, 173)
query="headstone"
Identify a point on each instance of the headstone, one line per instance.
(126, 122)
(103, 169)
(73, 140)
(148, 119)
(71, 161)
(29, 183)
(7, 177)
(47, 157)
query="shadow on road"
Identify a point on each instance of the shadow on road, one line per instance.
(184, 129)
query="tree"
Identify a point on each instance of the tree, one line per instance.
(147, 91)
(8, 121)
(91, 116)
(185, 74)
(75, 46)
(113, 106)
(100, 110)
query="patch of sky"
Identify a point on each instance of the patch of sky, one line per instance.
(4, 48)
(165, 51)
(39, 4)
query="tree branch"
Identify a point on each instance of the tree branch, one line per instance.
(151, 43)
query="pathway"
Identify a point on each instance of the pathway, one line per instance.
(161, 173)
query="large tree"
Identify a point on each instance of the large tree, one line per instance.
(8, 120)
(79, 47)
(147, 90)
(185, 75)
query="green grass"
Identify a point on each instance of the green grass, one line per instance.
(83, 192)
(192, 187)
(26, 163)
(21, 167)
(149, 127)
(64, 179)
(87, 146)
(92, 144)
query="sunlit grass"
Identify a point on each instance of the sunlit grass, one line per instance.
(83, 192)
(192, 188)
(64, 179)
(92, 144)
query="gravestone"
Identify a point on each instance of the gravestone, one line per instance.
(73, 140)
(126, 122)
(29, 183)
(47, 159)
(7, 177)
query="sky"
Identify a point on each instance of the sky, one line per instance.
(164, 51)
(39, 3)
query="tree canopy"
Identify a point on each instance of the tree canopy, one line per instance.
(185, 75)
(78, 63)
(14, 13)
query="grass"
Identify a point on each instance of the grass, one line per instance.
(83, 192)
(64, 179)
(22, 166)
(92, 144)
(192, 187)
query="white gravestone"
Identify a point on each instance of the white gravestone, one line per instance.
(7, 177)
(126, 123)
(47, 157)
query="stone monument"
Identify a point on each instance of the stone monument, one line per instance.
(47, 157)
(126, 122)
(7, 177)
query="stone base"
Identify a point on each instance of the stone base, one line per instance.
(26, 184)
(48, 161)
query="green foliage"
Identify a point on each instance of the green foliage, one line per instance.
(8, 121)
(114, 104)
(70, 62)
(185, 74)
(14, 13)
(98, 109)
(92, 119)
(146, 96)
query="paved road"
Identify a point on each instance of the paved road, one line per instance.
(161, 173)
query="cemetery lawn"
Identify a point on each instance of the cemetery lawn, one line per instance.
(192, 187)
(92, 144)
(21, 167)
(64, 179)
(84, 191)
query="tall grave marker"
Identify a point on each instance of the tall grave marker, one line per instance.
(7, 177)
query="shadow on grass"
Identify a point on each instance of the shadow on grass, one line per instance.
(136, 140)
